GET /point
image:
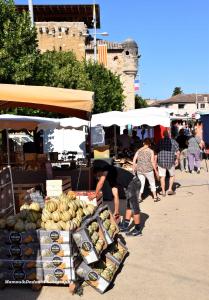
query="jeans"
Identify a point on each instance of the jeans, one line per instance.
(194, 159)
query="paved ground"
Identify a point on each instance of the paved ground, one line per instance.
(170, 261)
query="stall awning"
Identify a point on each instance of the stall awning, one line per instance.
(69, 102)
(26, 122)
(137, 117)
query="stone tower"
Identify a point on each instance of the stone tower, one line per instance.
(130, 69)
(122, 59)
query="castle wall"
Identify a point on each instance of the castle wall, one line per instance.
(62, 36)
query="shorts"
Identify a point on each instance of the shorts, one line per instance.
(162, 171)
(132, 195)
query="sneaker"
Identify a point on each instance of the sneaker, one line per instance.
(192, 172)
(123, 227)
(134, 232)
(198, 171)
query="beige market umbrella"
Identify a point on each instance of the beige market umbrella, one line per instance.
(69, 102)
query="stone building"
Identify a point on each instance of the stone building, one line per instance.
(66, 28)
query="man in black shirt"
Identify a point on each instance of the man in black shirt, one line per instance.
(106, 172)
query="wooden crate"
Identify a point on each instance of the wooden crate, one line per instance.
(20, 191)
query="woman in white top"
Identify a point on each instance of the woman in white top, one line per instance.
(145, 166)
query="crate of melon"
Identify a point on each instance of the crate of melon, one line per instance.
(108, 224)
(90, 240)
(90, 197)
(99, 275)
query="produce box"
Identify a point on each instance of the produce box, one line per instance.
(118, 250)
(58, 262)
(58, 275)
(29, 250)
(19, 264)
(100, 274)
(55, 249)
(51, 236)
(108, 224)
(90, 240)
(84, 196)
(22, 276)
(13, 237)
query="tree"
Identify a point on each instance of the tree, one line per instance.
(18, 45)
(140, 102)
(177, 91)
(107, 87)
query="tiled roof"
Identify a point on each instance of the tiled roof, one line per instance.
(183, 98)
(110, 45)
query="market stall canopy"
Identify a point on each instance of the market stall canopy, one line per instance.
(150, 116)
(69, 123)
(108, 119)
(76, 103)
(25, 122)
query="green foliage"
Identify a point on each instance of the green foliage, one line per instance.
(18, 45)
(177, 91)
(107, 87)
(61, 69)
(140, 102)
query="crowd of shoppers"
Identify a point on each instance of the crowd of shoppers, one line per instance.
(181, 146)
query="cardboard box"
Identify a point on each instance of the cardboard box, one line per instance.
(118, 246)
(54, 236)
(83, 239)
(58, 275)
(19, 264)
(55, 249)
(93, 274)
(15, 250)
(58, 262)
(84, 196)
(21, 276)
(13, 237)
(108, 235)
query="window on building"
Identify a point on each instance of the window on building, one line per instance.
(60, 48)
(181, 106)
(202, 105)
(127, 52)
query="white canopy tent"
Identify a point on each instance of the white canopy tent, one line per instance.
(145, 116)
(150, 116)
(27, 122)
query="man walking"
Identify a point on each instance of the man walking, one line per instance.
(167, 159)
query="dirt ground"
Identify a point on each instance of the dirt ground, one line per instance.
(169, 261)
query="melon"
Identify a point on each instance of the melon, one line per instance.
(35, 206)
(63, 206)
(30, 226)
(56, 216)
(19, 226)
(65, 216)
(11, 221)
(25, 206)
(51, 206)
(2, 223)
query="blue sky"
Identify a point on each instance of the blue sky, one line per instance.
(173, 39)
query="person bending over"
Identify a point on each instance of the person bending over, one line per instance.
(108, 173)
